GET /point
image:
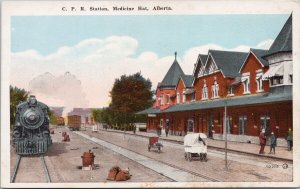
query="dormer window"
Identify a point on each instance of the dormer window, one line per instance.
(246, 84)
(193, 97)
(204, 92)
(215, 90)
(259, 82)
(230, 91)
(178, 98)
(167, 99)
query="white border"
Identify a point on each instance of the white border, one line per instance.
(187, 7)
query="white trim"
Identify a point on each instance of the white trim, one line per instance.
(243, 79)
(246, 74)
(197, 62)
(250, 52)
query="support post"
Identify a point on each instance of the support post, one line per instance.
(225, 132)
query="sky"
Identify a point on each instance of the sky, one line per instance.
(72, 61)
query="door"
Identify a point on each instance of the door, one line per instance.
(242, 124)
(265, 123)
(190, 125)
(210, 123)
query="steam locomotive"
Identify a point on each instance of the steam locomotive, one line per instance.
(31, 133)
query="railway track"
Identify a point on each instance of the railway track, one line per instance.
(127, 151)
(17, 167)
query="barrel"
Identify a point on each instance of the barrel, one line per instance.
(88, 159)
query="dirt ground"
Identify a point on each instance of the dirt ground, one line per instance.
(64, 163)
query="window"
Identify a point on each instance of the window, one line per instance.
(190, 127)
(246, 84)
(242, 124)
(277, 80)
(161, 100)
(229, 124)
(259, 82)
(230, 91)
(193, 97)
(204, 92)
(215, 90)
(291, 78)
(178, 98)
(167, 99)
(183, 98)
(265, 123)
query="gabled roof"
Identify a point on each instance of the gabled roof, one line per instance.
(200, 62)
(258, 53)
(203, 58)
(187, 80)
(229, 62)
(173, 75)
(283, 42)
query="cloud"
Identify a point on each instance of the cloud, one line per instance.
(63, 90)
(93, 65)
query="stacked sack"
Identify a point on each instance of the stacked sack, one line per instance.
(118, 174)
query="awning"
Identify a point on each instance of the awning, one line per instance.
(273, 71)
(189, 91)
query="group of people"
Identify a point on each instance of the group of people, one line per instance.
(273, 141)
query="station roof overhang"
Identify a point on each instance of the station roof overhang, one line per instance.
(263, 98)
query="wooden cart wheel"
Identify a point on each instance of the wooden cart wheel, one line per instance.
(190, 156)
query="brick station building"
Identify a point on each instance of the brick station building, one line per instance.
(255, 87)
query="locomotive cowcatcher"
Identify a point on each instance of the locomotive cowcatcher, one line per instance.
(31, 133)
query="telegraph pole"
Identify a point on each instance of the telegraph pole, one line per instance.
(225, 132)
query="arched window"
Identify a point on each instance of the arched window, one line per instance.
(178, 98)
(204, 92)
(215, 90)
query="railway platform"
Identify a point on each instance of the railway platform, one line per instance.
(248, 148)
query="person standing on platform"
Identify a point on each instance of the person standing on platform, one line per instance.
(289, 139)
(262, 141)
(167, 128)
(273, 142)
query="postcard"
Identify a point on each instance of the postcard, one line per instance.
(153, 94)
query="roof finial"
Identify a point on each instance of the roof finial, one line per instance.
(175, 55)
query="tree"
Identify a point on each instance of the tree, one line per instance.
(52, 117)
(97, 115)
(17, 95)
(130, 94)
